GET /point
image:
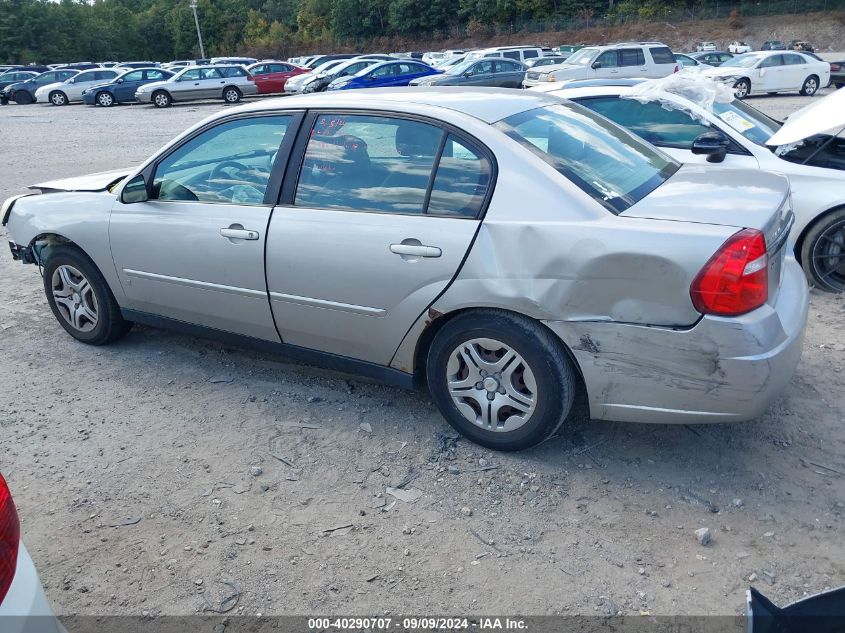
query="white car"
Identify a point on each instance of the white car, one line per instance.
(705, 47)
(70, 90)
(23, 605)
(613, 61)
(738, 48)
(772, 72)
(698, 121)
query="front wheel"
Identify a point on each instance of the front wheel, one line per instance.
(500, 379)
(105, 99)
(162, 99)
(823, 252)
(231, 95)
(80, 298)
(742, 88)
(811, 86)
(22, 97)
(58, 98)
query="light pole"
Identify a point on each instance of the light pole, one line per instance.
(197, 22)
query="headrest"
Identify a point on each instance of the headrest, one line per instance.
(417, 140)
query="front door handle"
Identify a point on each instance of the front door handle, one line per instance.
(239, 233)
(415, 250)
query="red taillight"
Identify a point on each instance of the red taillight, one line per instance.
(250, 77)
(10, 536)
(835, 67)
(677, 68)
(736, 279)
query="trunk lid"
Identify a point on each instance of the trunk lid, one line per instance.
(738, 198)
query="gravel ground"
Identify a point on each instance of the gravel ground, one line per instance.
(144, 477)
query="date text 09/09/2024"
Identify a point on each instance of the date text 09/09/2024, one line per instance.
(415, 623)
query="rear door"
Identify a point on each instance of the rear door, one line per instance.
(210, 84)
(508, 74)
(771, 75)
(795, 70)
(632, 63)
(370, 234)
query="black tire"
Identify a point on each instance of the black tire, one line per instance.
(104, 99)
(823, 252)
(22, 97)
(161, 99)
(551, 371)
(810, 86)
(742, 88)
(838, 86)
(110, 324)
(231, 94)
(58, 98)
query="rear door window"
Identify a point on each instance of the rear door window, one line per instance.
(530, 53)
(662, 55)
(462, 180)
(631, 57)
(511, 55)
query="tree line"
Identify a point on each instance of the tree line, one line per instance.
(50, 31)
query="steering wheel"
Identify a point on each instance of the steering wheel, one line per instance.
(217, 172)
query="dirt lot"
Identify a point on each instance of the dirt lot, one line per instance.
(145, 482)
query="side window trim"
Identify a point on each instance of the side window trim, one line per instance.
(297, 155)
(274, 183)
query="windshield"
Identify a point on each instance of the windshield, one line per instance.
(460, 69)
(742, 61)
(582, 57)
(750, 122)
(327, 66)
(612, 165)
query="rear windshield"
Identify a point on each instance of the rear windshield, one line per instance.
(612, 165)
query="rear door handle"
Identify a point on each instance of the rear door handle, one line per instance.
(415, 250)
(239, 234)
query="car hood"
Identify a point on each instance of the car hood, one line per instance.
(47, 87)
(91, 182)
(156, 84)
(827, 115)
(743, 198)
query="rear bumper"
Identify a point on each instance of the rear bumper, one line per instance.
(720, 370)
(25, 608)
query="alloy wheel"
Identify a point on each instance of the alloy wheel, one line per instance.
(491, 385)
(57, 98)
(829, 256)
(161, 100)
(75, 298)
(810, 86)
(231, 96)
(741, 90)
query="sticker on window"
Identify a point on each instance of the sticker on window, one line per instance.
(736, 121)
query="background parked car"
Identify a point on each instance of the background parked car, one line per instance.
(70, 91)
(127, 65)
(686, 61)
(737, 48)
(12, 77)
(773, 45)
(227, 82)
(495, 72)
(545, 60)
(24, 92)
(772, 72)
(122, 88)
(705, 46)
(712, 58)
(319, 81)
(804, 47)
(518, 53)
(837, 73)
(295, 84)
(241, 61)
(384, 74)
(319, 60)
(33, 68)
(270, 77)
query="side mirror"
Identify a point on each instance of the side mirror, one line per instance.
(120, 81)
(714, 145)
(762, 72)
(595, 65)
(135, 191)
(468, 73)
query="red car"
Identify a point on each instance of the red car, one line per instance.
(270, 77)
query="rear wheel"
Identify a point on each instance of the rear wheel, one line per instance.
(811, 86)
(80, 298)
(742, 88)
(162, 99)
(500, 379)
(105, 99)
(58, 98)
(823, 252)
(231, 94)
(22, 97)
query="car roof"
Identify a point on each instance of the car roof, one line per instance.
(487, 104)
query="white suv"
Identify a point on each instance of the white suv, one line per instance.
(610, 61)
(519, 53)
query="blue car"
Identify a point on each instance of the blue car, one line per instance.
(122, 88)
(23, 92)
(385, 74)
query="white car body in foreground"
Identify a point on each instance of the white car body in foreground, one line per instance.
(771, 72)
(818, 192)
(70, 90)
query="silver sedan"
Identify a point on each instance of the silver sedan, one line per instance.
(510, 251)
(229, 82)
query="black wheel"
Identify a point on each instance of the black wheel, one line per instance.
(58, 98)
(742, 88)
(823, 252)
(500, 379)
(162, 99)
(105, 99)
(231, 94)
(838, 86)
(22, 97)
(811, 86)
(4, 101)
(80, 298)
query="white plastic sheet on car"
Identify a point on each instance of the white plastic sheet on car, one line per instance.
(692, 86)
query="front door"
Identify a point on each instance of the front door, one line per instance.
(608, 64)
(195, 250)
(369, 239)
